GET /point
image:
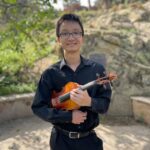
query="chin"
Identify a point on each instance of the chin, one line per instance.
(72, 49)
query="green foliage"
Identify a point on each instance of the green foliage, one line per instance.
(11, 1)
(24, 39)
(9, 62)
(17, 88)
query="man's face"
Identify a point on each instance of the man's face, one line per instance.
(70, 36)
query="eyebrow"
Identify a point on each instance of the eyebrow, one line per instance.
(65, 30)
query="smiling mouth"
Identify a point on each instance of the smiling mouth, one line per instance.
(70, 44)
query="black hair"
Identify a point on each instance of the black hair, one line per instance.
(68, 17)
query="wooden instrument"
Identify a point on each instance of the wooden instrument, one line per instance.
(61, 100)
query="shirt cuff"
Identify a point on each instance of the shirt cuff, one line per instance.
(68, 116)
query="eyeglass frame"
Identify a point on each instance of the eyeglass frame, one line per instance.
(74, 35)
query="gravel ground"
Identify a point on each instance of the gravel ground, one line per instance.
(33, 134)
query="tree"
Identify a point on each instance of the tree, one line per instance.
(24, 38)
(104, 3)
(71, 2)
(89, 2)
(15, 9)
(71, 5)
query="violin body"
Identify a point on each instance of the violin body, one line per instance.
(68, 104)
(61, 100)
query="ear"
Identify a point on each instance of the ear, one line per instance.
(82, 40)
(58, 39)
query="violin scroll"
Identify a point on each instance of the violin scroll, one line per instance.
(108, 78)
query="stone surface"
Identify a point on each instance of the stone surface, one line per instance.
(123, 37)
(141, 109)
(15, 106)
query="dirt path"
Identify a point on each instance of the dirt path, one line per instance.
(33, 134)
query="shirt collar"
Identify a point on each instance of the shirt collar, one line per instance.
(84, 62)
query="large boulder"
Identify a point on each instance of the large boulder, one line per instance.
(123, 38)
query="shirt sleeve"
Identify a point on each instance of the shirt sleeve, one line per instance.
(41, 105)
(100, 102)
(101, 95)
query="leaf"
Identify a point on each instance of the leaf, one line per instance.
(11, 1)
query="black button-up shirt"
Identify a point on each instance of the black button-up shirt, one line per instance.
(54, 79)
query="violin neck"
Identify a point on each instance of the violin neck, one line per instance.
(66, 96)
(88, 85)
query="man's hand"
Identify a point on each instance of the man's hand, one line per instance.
(78, 116)
(80, 97)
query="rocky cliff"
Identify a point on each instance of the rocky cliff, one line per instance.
(122, 36)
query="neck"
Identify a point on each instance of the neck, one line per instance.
(72, 59)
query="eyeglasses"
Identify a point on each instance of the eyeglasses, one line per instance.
(66, 35)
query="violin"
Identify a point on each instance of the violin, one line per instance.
(61, 100)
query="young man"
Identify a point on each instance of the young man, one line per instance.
(73, 129)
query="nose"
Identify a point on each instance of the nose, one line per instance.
(70, 36)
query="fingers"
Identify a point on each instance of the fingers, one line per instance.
(81, 120)
(79, 117)
(80, 97)
(76, 94)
